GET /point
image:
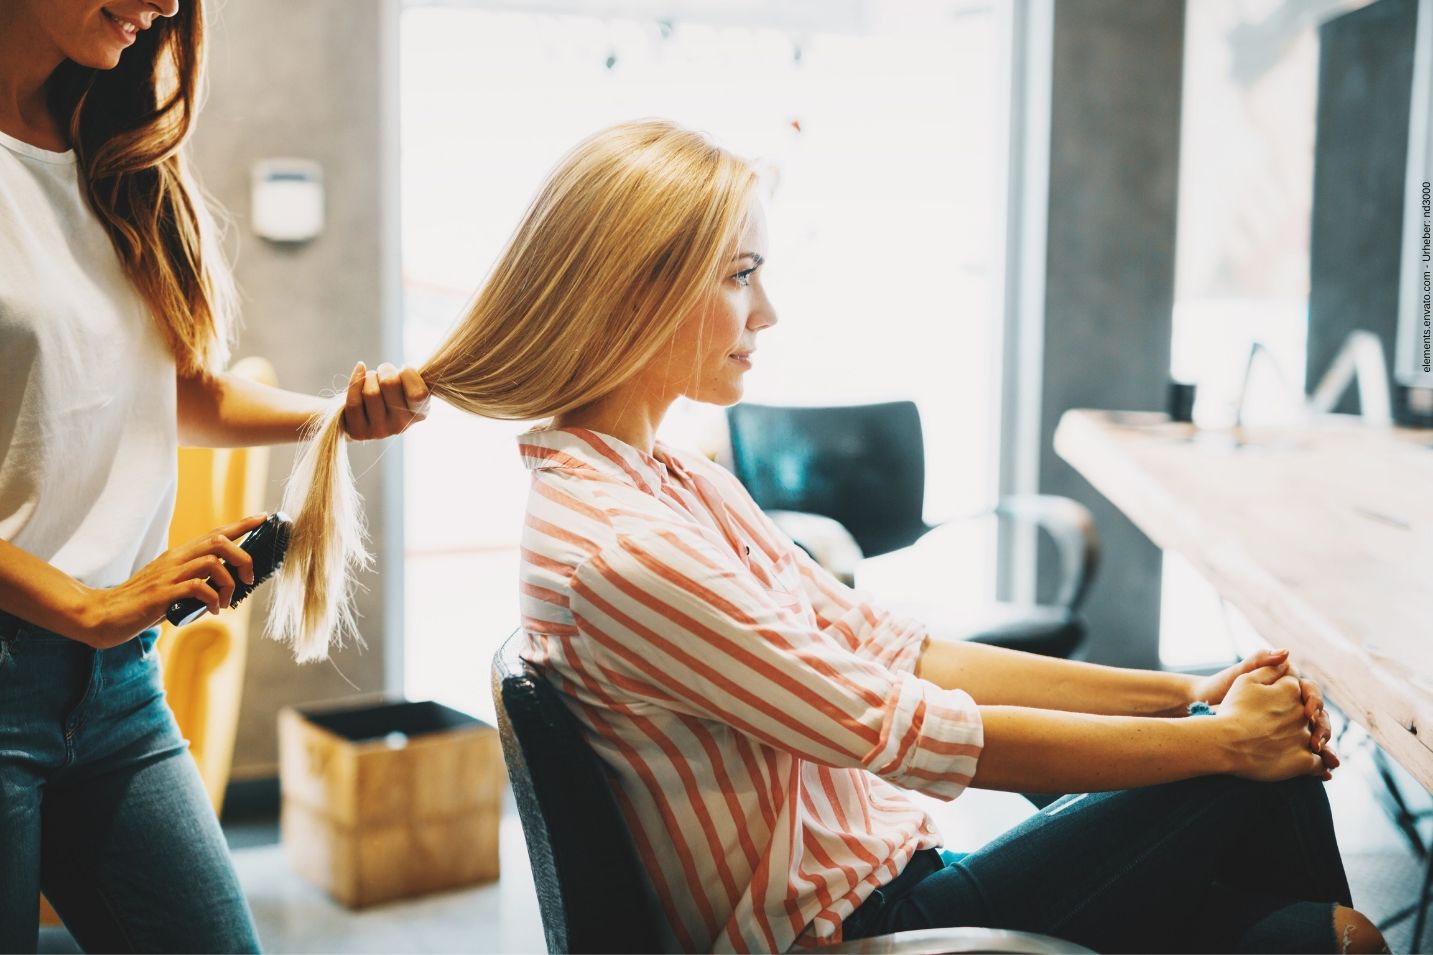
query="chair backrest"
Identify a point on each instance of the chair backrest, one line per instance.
(590, 886)
(861, 465)
(204, 662)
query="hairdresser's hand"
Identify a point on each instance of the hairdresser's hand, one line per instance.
(1266, 732)
(113, 615)
(1211, 689)
(383, 402)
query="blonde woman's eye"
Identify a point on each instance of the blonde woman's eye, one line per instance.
(743, 278)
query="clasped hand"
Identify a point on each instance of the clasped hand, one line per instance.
(1272, 668)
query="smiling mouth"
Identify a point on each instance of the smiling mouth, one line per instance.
(129, 28)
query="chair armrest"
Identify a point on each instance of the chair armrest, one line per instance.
(824, 538)
(1072, 527)
(203, 668)
(931, 941)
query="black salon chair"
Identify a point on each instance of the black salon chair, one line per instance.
(847, 483)
(590, 887)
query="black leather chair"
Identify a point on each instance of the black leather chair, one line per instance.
(590, 887)
(849, 483)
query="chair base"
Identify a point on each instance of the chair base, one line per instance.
(942, 940)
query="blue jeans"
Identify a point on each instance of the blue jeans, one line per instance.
(101, 806)
(1213, 864)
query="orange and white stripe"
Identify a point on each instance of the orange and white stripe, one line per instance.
(759, 719)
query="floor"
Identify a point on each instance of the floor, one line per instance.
(502, 917)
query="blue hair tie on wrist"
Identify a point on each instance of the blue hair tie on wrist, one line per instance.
(1200, 708)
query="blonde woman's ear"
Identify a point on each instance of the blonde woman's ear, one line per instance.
(384, 401)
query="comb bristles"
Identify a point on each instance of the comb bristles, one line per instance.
(273, 556)
(268, 557)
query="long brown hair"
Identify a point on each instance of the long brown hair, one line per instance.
(128, 126)
(629, 235)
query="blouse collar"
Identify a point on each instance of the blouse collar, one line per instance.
(583, 449)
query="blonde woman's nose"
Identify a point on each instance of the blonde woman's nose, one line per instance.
(763, 314)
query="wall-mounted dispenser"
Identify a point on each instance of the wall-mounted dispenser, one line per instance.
(287, 199)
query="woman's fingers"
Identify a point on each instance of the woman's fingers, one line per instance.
(1290, 704)
(415, 392)
(373, 404)
(1324, 760)
(1328, 762)
(395, 402)
(197, 589)
(1322, 731)
(1265, 658)
(383, 402)
(1314, 709)
(210, 568)
(1312, 763)
(1214, 688)
(219, 546)
(1265, 674)
(237, 528)
(355, 418)
(217, 576)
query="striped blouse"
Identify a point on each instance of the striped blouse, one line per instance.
(758, 718)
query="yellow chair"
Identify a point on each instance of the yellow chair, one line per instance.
(203, 663)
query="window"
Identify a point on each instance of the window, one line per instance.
(1242, 271)
(877, 123)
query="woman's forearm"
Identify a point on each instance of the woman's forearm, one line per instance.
(41, 593)
(1035, 750)
(997, 676)
(226, 411)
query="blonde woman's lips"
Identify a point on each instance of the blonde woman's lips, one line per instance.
(741, 358)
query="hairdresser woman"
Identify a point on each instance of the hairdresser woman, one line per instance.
(114, 318)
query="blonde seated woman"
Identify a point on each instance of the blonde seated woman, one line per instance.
(760, 722)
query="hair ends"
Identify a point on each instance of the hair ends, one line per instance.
(313, 596)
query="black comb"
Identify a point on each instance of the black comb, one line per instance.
(265, 544)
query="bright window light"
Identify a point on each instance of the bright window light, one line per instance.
(1242, 271)
(876, 121)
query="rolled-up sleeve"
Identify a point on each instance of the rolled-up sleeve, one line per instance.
(680, 622)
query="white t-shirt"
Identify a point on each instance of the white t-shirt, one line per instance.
(88, 432)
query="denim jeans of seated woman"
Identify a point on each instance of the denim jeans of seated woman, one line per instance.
(1213, 864)
(101, 806)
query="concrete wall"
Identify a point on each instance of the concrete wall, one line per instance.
(1109, 281)
(305, 80)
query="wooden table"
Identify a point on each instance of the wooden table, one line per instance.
(1321, 535)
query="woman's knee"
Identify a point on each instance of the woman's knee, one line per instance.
(1305, 787)
(1355, 933)
(1303, 796)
